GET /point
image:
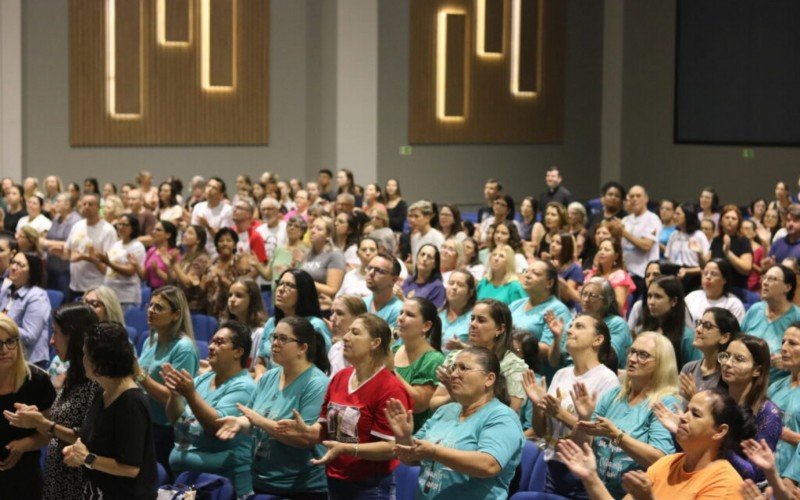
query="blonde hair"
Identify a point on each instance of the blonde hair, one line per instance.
(32, 235)
(115, 203)
(511, 272)
(110, 302)
(22, 371)
(664, 381)
(461, 254)
(177, 300)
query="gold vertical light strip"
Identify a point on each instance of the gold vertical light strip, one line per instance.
(516, 26)
(111, 64)
(441, 68)
(161, 26)
(205, 48)
(480, 32)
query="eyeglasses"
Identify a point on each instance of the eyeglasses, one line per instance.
(218, 341)
(155, 306)
(9, 344)
(641, 356)
(93, 303)
(286, 284)
(705, 325)
(283, 339)
(377, 270)
(735, 359)
(770, 279)
(590, 295)
(457, 368)
(122, 224)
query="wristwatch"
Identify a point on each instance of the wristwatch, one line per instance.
(618, 438)
(140, 376)
(88, 462)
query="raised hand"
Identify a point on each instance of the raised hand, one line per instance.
(555, 323)
(443, 376)
(295, 427)
(75, 454)
(583, 400)
(180, 382)
(552, 404)
(335, 448)
(601, 427)
(400, 420)
(759, 453)
(750, 491)
(579, 460)
(668, 419)
(25, 417)
(536, 391)
(688, 386)
(638, 484)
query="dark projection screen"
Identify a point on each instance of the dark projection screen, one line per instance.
(737, 70)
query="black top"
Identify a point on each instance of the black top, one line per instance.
(397, 216)
(484, 213)
(11, 220)
(739, 246)
(559, 194)
(38, 391)
(124, 432)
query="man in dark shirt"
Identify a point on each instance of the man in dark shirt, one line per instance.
(491, 191)
(327, 192)
(789, 245)
(555, 191)
(15, 208)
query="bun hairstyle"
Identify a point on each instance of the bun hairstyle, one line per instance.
(488, 361)
(740, 420)
(429, 312)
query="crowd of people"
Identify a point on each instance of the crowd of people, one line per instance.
(648, 348)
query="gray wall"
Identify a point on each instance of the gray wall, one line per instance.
(295, 107)
(456, 173)
(649, 155)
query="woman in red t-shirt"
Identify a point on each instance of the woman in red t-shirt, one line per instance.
(352, 424)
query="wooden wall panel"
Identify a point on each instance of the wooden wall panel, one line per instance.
(222, 43)
(455, 65)
(175, 109)
(494, 15)
(494, 113)
(177, 20)
(127, 60)
(529, 45)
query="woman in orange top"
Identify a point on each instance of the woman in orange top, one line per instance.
(712, 425)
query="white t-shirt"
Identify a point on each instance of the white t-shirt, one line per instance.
(597, 380)
(84, 275)
(678, 251)
(274, 237)
(354, 283)
(647, 225)
(217, 217)
(351, 256)
(433, 237)
(40, 223)
(336, 358)
(697, 302)
(128, 288)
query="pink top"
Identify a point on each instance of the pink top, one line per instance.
(618, 278)
(150, 275)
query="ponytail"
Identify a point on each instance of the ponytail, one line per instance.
(428, 312)
(606, 354)
(306, 334)
(319, 357)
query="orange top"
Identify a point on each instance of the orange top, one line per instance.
(717, 481)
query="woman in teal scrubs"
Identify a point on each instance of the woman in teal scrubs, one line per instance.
(171, 342)
(455, 315)
(469, 448)
(281, 465)
(196, 405)
(785, 393)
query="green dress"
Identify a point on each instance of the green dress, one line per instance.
(422, 372)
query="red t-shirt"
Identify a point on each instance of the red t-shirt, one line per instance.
(358, 417)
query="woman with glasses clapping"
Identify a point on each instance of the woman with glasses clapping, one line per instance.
(713, 332)
(295, 295)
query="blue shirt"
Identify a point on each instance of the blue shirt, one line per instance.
(197, 450)
(640, 423)
(494, 429)
(29, 307)
(277, 466)
(620, 337)
(787, 398)
(532, 321)
(432, 290)
(505, 293)
(784, 248)
(180, 353)
(756, 323)
(389, 312)
(265, 344)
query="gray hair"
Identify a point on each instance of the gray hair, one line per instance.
(423, 206)
(606, 295)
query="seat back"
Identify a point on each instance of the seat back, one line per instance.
(204, 326)
(530, 453)
(56, 298)
(136, 318)
(202, 349)
(147, 292)
(406, 477)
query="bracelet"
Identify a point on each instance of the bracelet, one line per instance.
(140, 377)
(51, 431)
(355, 451)
(618, 438)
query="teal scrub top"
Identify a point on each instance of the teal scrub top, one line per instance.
(787, 398)
(277, 466)
(494, 429)
(620, 337)
(180, 353)
(265, 344)
(637, 421)
(756, 323)
(197, 450)
(505, 293)
(688, 351)
(459, 328)
(533, 321)
(389, 313)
